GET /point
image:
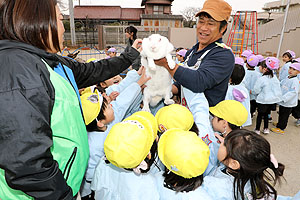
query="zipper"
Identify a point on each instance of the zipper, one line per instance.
(69, 164)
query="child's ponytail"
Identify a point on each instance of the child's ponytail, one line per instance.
(278, 171)
(268, 71)
(266, 188)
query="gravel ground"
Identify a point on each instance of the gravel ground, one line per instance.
(286, 149)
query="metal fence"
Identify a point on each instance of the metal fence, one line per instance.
(115, 35)
(110, 36)
(83, 54)
(82, 38)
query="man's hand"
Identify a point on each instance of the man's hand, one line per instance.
(162, 62)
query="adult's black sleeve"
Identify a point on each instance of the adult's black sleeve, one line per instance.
(87, 74)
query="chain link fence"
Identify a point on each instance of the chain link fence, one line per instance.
(99, 36)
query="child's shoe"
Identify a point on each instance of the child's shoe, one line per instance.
(257, 132)
(277, 130)
(275, 123)
(266, 131)
(298, 122)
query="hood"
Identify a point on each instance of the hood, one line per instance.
(50, 58)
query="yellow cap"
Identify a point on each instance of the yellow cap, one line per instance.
(91, 60)
(145, 120)
(129, 142)
(88, 89)
(149, 117)
(174, 116)
(183, 153)
(91, 105)
(230, 110)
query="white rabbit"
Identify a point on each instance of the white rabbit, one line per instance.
(160, 85)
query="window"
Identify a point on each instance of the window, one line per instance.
(158, 9)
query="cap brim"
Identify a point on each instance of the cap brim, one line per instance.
(294, 67)
(212, 14)
(213, 110)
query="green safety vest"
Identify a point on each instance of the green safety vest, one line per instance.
(70, 141)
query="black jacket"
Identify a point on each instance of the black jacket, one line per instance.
(136, 64)
(26, 102)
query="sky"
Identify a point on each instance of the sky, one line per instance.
(179, 5)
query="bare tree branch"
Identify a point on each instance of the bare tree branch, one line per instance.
(189, 15)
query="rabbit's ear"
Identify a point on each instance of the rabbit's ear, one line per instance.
(170, 47)
(145, 42)
(145, 47)
(143, 53)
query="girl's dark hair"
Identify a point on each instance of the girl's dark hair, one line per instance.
(29, 22)
(269, 71)
(288, 55)
(99, 88)
(237, 75)
(93, 125)
(153, 152)
(194, 129)
(178, 49)
(181, 184)
(252, 151)
(232, 126)
(131, 29)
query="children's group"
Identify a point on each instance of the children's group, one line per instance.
(84, 130)
(180, 153)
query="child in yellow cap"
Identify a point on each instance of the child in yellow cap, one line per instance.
(185, 166)
(100, 116)
(196, 119)
(228, 115)
(130, 150)
(173, 116)
(225, 116)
